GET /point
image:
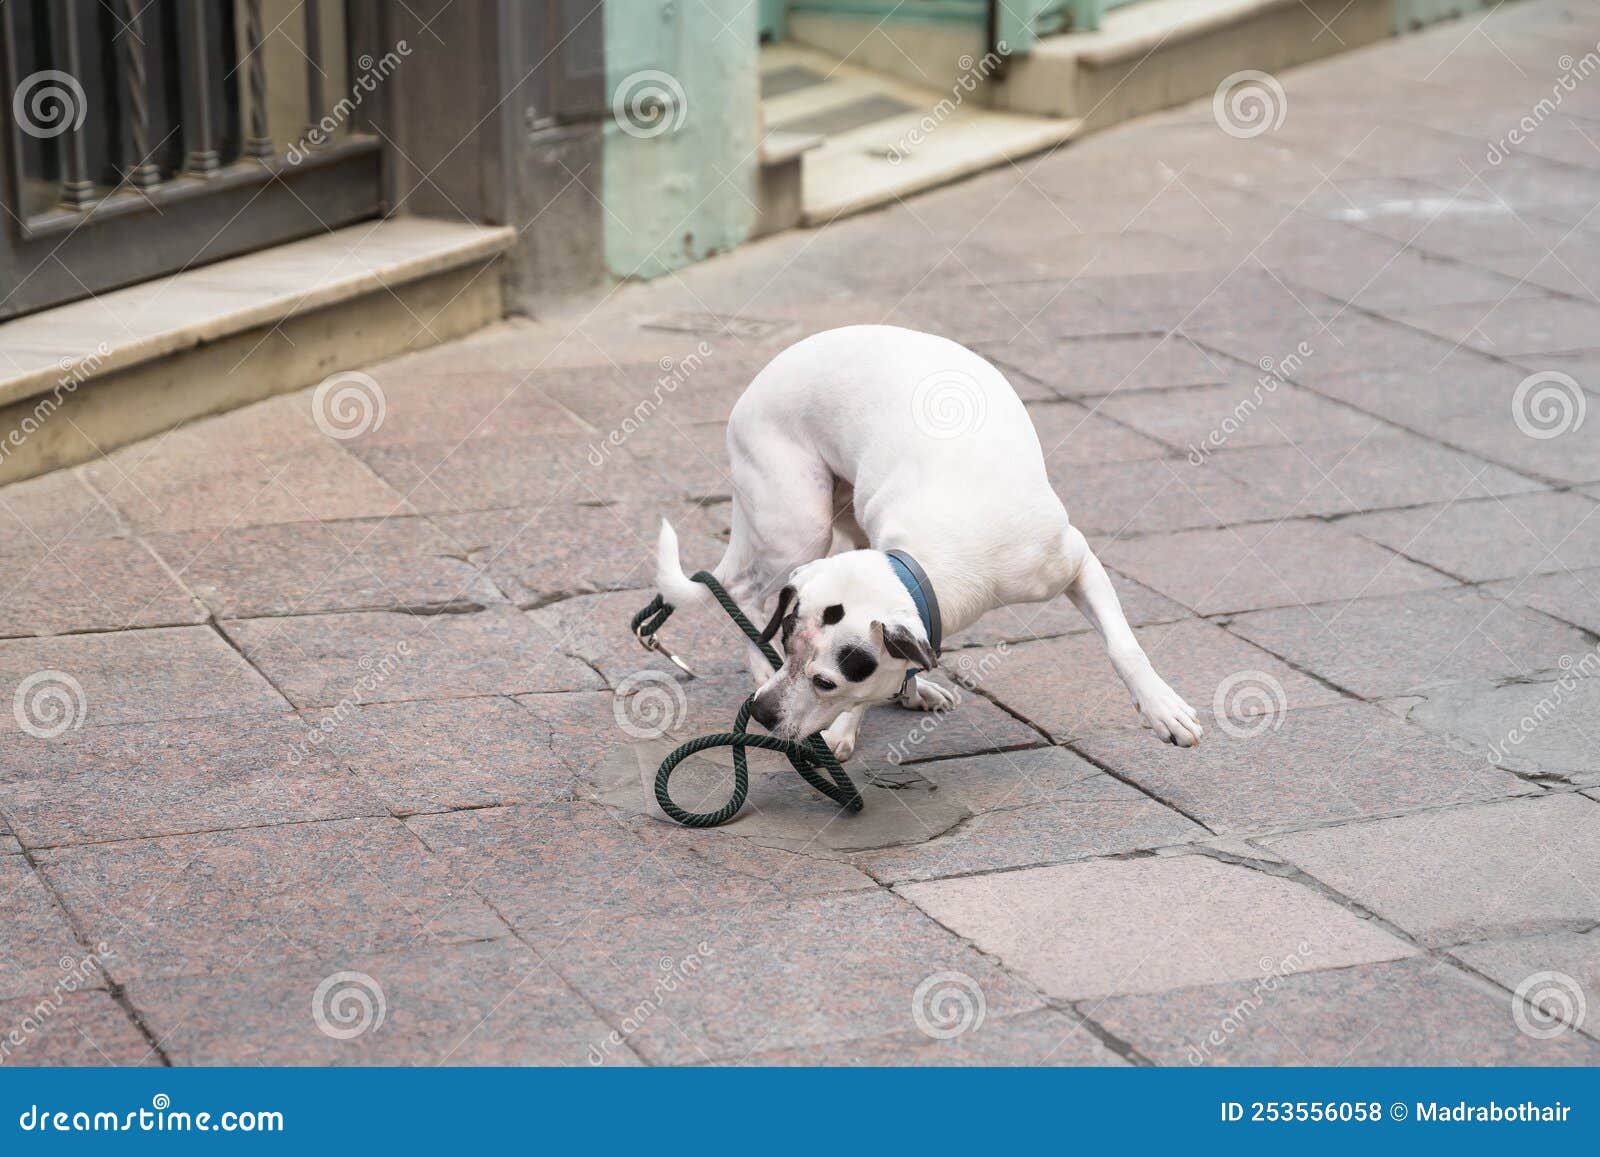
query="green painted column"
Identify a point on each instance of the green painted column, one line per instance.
(681, 147)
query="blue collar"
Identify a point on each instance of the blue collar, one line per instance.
(917, 584)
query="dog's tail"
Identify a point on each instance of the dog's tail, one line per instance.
(676, 587)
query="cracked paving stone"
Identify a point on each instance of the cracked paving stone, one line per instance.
(1068, 688)
(135, 676)
(1569, 996)
(1045, 1037)
(1410, 1012)
(429, 757)
(1084, 931)
(1502, 538)
(542, 554)
(101, 585)
(167, 778)
(303, 567)
(1378, 647)
(258, 898)
(85, 1028)
(1572, 596)
(381, 656)
(1244, 568)
(778, 976)
(899, 805)
(1347, 762)
(34, 935)
(555, 870)
(495, 1003)
(1549, 728)
(1531, 868)
(1101, 816)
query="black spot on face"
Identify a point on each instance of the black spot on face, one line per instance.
(831, 615)
(856, 663)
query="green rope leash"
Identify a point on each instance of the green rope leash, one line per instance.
(811, 759)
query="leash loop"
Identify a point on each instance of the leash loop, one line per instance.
(811, 759)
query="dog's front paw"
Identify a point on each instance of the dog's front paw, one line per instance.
(926, 695)
(1164, 711)
(841, 738)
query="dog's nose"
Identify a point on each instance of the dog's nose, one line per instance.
(763, 713)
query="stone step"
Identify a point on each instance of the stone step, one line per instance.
(883, 139)
(91, 375)
(1159, 53)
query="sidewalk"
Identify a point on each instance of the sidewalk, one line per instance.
(331, 744)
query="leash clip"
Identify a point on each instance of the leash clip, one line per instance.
(651, 643)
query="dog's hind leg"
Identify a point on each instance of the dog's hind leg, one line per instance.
(1160, 707)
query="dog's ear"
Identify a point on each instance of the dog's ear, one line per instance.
(785, 597)
(909, 643)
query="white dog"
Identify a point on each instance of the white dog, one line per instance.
(872, 439)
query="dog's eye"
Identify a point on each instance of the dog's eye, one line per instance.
(831, 615)
(822, 684)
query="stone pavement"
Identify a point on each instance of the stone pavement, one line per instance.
(330, 743)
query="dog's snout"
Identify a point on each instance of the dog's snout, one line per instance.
(764, 713)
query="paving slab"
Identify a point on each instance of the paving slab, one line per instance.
(985, 316)
(221, 901)
(461, 406)
(1100, 816)
(1503, 538)
(34, 935)
(1571, 596)
(1515, 326)
(542, 554)
(187, 775)
(1378, 647)
(1071, 434)
(1046, 1037)
(781, 976)
(378, 656)
(1558, 975)
(1141, 605)
(428, 757)
(1211, 298)
(1338, 477)
(1087, 367)
(1542, 728)
(54, 508)
(1410, 1012)
(1067, 686)
(75, 681)
(489, 473)
(1245, 411)
(158, 490)
(595, 628)
(1305, 767)
(891, 735)
(304, 567)
(495, 1003)
(1121, 498)
(1342, 343)
(71, 1028)
(1011, 779)
(521, 859)
(1084, 931)
(1479, 404)
(1245, 568)
(97, 585)
(1532, 867)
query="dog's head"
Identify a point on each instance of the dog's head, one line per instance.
(849, 631)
